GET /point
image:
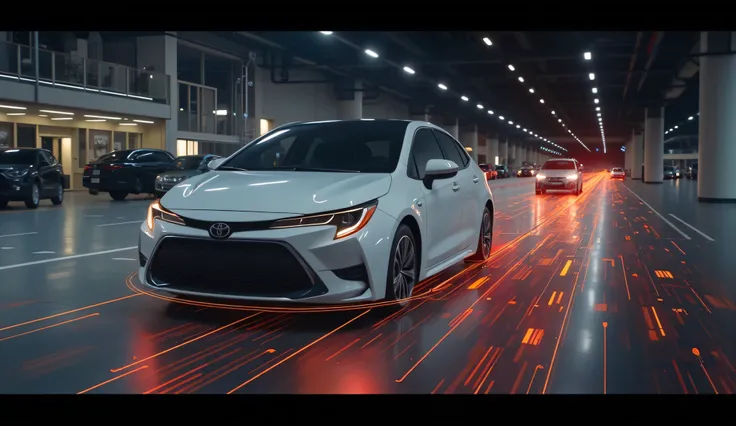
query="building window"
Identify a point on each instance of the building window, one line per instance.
(26, 135)
(134, 140)
(6, 135)
(100, 143)
(82, 148)
(265, 126)
(119, 141)
(185, 147)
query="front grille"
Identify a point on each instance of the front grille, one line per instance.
(231, 267)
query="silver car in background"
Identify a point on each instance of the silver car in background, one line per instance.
(184, 167)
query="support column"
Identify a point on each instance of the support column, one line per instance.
(469, 139)
(503, 149)
(637, 155)
(627, 153)
(352, 109)
(159, 54)
(654, 145)
(492, 155)
(717, 147)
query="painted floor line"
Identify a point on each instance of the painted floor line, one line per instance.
(18, 235)
(703, 234)
(687, 237)
(121, 223)
(59, 259)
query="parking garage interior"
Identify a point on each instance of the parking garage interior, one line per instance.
(626, 288)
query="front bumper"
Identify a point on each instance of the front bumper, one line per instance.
(552, 185)
(14, 189)
(164, 187)
(351, 269)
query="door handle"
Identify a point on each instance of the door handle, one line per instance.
(475, 179)
(455, 187)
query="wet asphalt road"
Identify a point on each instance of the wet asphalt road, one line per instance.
(602, 293)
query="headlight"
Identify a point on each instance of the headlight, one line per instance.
(541, 177)
(15, 174)
(156, 211)
(159, 177)
(573, 177)
(346, 222)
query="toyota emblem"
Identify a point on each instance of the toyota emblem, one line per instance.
(220, 230)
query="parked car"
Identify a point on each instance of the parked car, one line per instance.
(526, 171)
(184, 167)
(30, 175)
(502, 171)
(490, 171)
(669, 172)
(120, 173)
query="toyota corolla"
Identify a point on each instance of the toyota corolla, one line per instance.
(322, 212)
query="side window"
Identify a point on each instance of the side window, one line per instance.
(45, 155)
(142, 156)
(452, 149)
(425, 148)
(160, 157)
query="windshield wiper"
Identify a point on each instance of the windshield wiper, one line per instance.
(313, 169)
(231, 168)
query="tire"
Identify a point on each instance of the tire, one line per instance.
(402, 263)
(137, 187)
(581, 188)
(485, 238)
(118, 195)
(59, 198)
(34, 198)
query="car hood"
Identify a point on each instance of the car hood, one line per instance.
(8, 167)
(557, 173)
(276, 191)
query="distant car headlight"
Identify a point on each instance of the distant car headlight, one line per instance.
(541, 177)
(677, 174)
(346, 222)
(159, 178)
(572, 177)
(156, 211)
(519, 173)
(15, 174)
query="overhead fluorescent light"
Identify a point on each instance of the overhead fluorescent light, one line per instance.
(595, 90)
(487, 41)
(128, 124)
(16, 113)
(144, 121)
(531, 90)
(409, 70)
(371, 53)
(541, 101)
(521, 79)
(490, 111)
(102, 116)
(12, 107)
(591, 76)
(479, 106)
(465, 98)
(62, 118)
(97, 120)
(56, 112)
(511, 67)
(221, 112)
(587, 56)
(42, 115)
(442, 86)
(326, 32)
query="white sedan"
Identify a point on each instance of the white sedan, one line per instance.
(321, 212)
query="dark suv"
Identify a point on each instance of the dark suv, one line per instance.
(126, 172)
(30, 175)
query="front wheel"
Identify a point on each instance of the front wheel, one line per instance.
(403, 267)
(483, 251)
(118, 195)
(59, 197)
(34, 198)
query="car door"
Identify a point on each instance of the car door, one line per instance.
(465, 184)
(441, 203)
(48, 173)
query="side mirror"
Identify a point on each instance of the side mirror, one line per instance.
(212, 165)
(438, 169)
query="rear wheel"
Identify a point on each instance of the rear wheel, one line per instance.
(34, 198)
(59, 197)
(137, 186)
(118, 195)
(483, 251)
(403, 267)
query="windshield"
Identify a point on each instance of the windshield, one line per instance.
(18, 157)
(114, 156)
(558, 165)
(500, 167)
(335, 146)
(669, 169)
(190, 162)
(617, 169)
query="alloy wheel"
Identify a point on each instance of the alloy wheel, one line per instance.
(34, 194)
(404, 268)
(486, 232)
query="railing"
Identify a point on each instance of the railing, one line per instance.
(68, 71)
